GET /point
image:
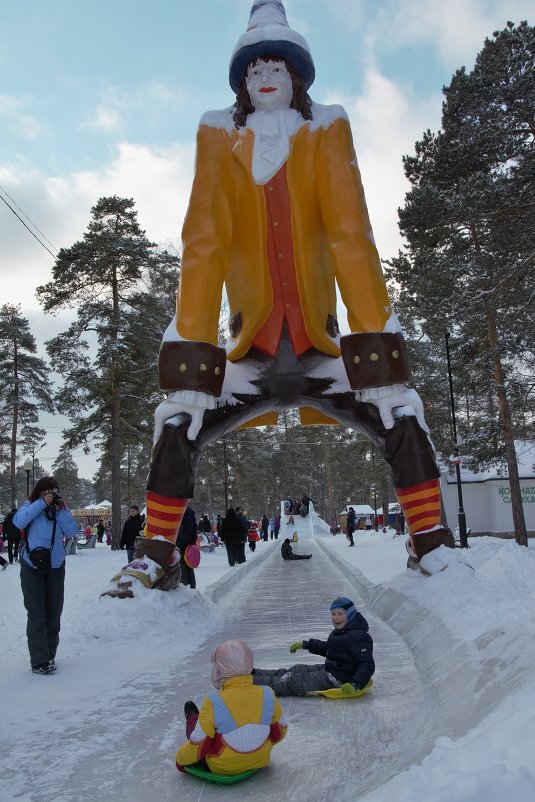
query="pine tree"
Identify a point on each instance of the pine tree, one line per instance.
(469, 221)
(65, 470)
(105, 275)
(26, 388)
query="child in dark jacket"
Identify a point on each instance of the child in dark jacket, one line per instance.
(348, 650)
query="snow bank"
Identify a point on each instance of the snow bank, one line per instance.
(472, 633)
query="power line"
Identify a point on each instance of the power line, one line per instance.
(28, 228)
(28, 218)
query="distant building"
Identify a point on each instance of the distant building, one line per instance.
(487, 495)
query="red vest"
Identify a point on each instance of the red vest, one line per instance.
(286, 303)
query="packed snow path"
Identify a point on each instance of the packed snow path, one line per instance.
(333, 750)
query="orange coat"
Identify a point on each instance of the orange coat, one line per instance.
(224, 237)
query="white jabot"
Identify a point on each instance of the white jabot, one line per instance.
(272, 130)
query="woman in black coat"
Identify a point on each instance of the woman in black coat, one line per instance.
(187, 535)
(232, 535)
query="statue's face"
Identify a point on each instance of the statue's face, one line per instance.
(269, 85)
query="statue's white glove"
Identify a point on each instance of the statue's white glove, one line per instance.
(394, 401)
(183, 401)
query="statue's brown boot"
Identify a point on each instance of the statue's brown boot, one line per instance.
(162, 552)
(424, 542)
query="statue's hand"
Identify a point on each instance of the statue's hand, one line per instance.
(189, 402)
(394, 401)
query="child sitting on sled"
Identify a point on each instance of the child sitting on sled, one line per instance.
(349, 663)
(238, 723)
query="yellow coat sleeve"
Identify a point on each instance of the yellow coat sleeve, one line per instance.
(206, 238)
(357, 266)
(279, 727)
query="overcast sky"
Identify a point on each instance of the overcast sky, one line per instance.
(103, 97)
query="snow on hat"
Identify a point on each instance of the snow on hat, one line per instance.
(345, 604)
(268, 33)
(231, 659)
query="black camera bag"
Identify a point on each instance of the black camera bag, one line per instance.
(41, 558)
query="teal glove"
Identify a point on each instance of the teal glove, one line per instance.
(347, 689)
(296, 646)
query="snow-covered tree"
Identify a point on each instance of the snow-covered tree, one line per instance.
(107, 276)
(469, 223)
(26, 389)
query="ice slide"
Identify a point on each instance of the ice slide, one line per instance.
(334, 749)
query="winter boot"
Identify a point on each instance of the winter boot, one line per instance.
(166, 555)
(189, 708)
(156, 564)
(424, 542)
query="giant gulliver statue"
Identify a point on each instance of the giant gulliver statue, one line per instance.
(277, 216)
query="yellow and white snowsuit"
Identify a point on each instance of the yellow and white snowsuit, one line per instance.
(236, 729)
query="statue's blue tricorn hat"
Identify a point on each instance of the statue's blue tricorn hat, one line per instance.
(268, 33)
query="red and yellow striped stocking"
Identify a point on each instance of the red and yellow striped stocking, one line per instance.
(164, 516)
(420, 505)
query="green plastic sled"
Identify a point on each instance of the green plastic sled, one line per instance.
(336, 693)
(199, 770)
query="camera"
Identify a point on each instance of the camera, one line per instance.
(56, 499)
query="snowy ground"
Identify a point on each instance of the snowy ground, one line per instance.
(452, 718)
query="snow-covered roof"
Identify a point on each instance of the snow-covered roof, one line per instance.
(360, 509)
(525, 454)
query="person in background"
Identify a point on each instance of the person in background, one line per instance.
(187, 536)
(245, 527)
(12, 535)
(264, 527)
(100, 531)
(288, 554)
(231, 532)
(131, 529)
(306, 502)
(204, 524)
(272, 527)
(277, 526)
(47, 522)
(350, 526)
(253, 536)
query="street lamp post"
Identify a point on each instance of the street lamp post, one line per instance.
(225, 472)
(34, 452)
(373, 491)
(28, 465)
(457, 460)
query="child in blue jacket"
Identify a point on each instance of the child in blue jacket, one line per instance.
(348, 650)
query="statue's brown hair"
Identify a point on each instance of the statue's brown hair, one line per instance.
(301, 101)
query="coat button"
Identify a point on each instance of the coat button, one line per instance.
(217, 371)
(374, 357)
(356, 359)
(395, 354)
(202, 367)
